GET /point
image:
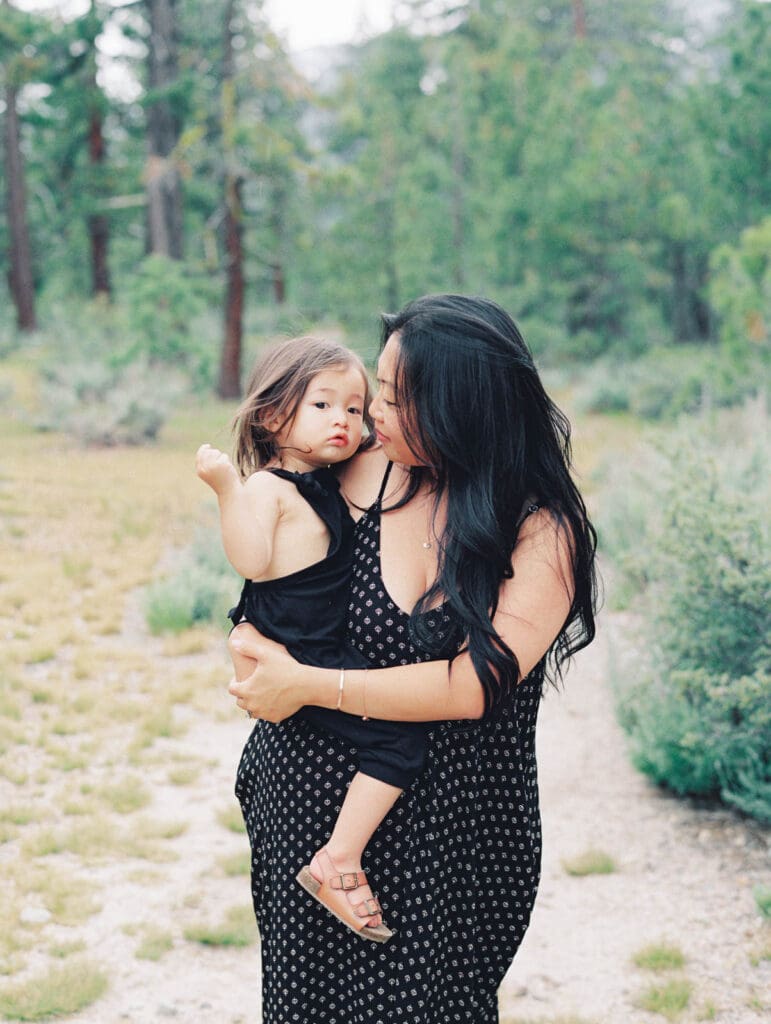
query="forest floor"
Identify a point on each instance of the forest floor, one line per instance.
(122, 858)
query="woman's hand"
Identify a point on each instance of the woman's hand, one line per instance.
(273, 690)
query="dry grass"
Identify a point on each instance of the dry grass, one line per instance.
(81, 698)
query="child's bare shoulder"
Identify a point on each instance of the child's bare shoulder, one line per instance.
(264, 486)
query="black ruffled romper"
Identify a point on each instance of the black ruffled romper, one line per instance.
(455, 864)
(305, 611)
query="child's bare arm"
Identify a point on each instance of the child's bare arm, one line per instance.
(249, 511)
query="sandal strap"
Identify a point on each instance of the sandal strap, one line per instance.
(347, 880)
(368, 908)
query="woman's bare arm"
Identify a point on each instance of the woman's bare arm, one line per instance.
(533, 607)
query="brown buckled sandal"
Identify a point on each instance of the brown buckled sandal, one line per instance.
(332, 894)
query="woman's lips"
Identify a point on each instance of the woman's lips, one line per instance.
(381, 437)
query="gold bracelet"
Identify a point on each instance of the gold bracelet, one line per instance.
(365, 716)
(340, 689)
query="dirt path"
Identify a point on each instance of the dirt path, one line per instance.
(684, 875)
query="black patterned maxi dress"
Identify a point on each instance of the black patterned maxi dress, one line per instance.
(456, 862)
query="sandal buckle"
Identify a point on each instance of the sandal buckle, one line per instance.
(349, 880)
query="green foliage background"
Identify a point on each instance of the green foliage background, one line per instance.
(611, 189)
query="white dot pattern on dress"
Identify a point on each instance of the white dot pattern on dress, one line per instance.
(456, 862)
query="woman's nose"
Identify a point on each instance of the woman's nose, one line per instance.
(374, 407)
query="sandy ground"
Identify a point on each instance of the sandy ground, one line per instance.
(685, 875)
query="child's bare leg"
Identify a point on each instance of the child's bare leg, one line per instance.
(242, 666)
(366, 804)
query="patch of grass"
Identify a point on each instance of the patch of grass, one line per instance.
(14, 774)
(162, 829)
(71, 900)
(659, 957)
(154, 944)
(544, 1020)
(7, 832)
(238, 928)
(11, 965)
(145, 877)
(708, 1011)
(191, 641)
(126, 796)
(159, 723)
(591, 862)
(62, 950)
(669, 999)
(76, 568)
(63, 989)
(761, 955)
(762, 894)
(237, 864)
(40, 653)
(230, 817)
(185, 775)
(21, 814)
(756, 1003)
(43, 843)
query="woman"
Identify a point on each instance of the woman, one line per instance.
(473, 582)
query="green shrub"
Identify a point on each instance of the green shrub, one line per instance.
(165, 304)
(740, 291)
(696, 700)
(201, 589)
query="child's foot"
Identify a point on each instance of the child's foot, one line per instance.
(341, 886)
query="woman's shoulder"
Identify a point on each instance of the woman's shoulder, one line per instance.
(360, 477)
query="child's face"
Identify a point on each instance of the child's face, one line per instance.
(327, 425)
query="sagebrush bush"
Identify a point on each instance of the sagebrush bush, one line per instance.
(690, 532)
(666, 383)
(103, 405)
(201, 589)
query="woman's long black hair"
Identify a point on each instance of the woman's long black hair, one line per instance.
(472, 406)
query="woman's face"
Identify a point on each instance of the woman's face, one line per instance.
(386, 411)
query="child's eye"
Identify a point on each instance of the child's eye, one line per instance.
(354, 411)
(321, 405)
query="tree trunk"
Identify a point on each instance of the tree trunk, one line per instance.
(458, 196)
(20, 274)
(278, 230)
(162, 179)
(230, 358)
(579, 19)
(230, 362)
(98, 224)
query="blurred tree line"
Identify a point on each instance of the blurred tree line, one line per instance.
(601, 168)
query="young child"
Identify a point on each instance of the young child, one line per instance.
(287, 530)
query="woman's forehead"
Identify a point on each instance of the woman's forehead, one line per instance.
(389, 359)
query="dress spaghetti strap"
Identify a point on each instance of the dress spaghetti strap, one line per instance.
(379, 500)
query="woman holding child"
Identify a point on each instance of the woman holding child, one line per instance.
(473, 582)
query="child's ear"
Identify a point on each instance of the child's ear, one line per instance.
(272, 420)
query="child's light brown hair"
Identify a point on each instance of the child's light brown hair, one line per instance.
(276, 386)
